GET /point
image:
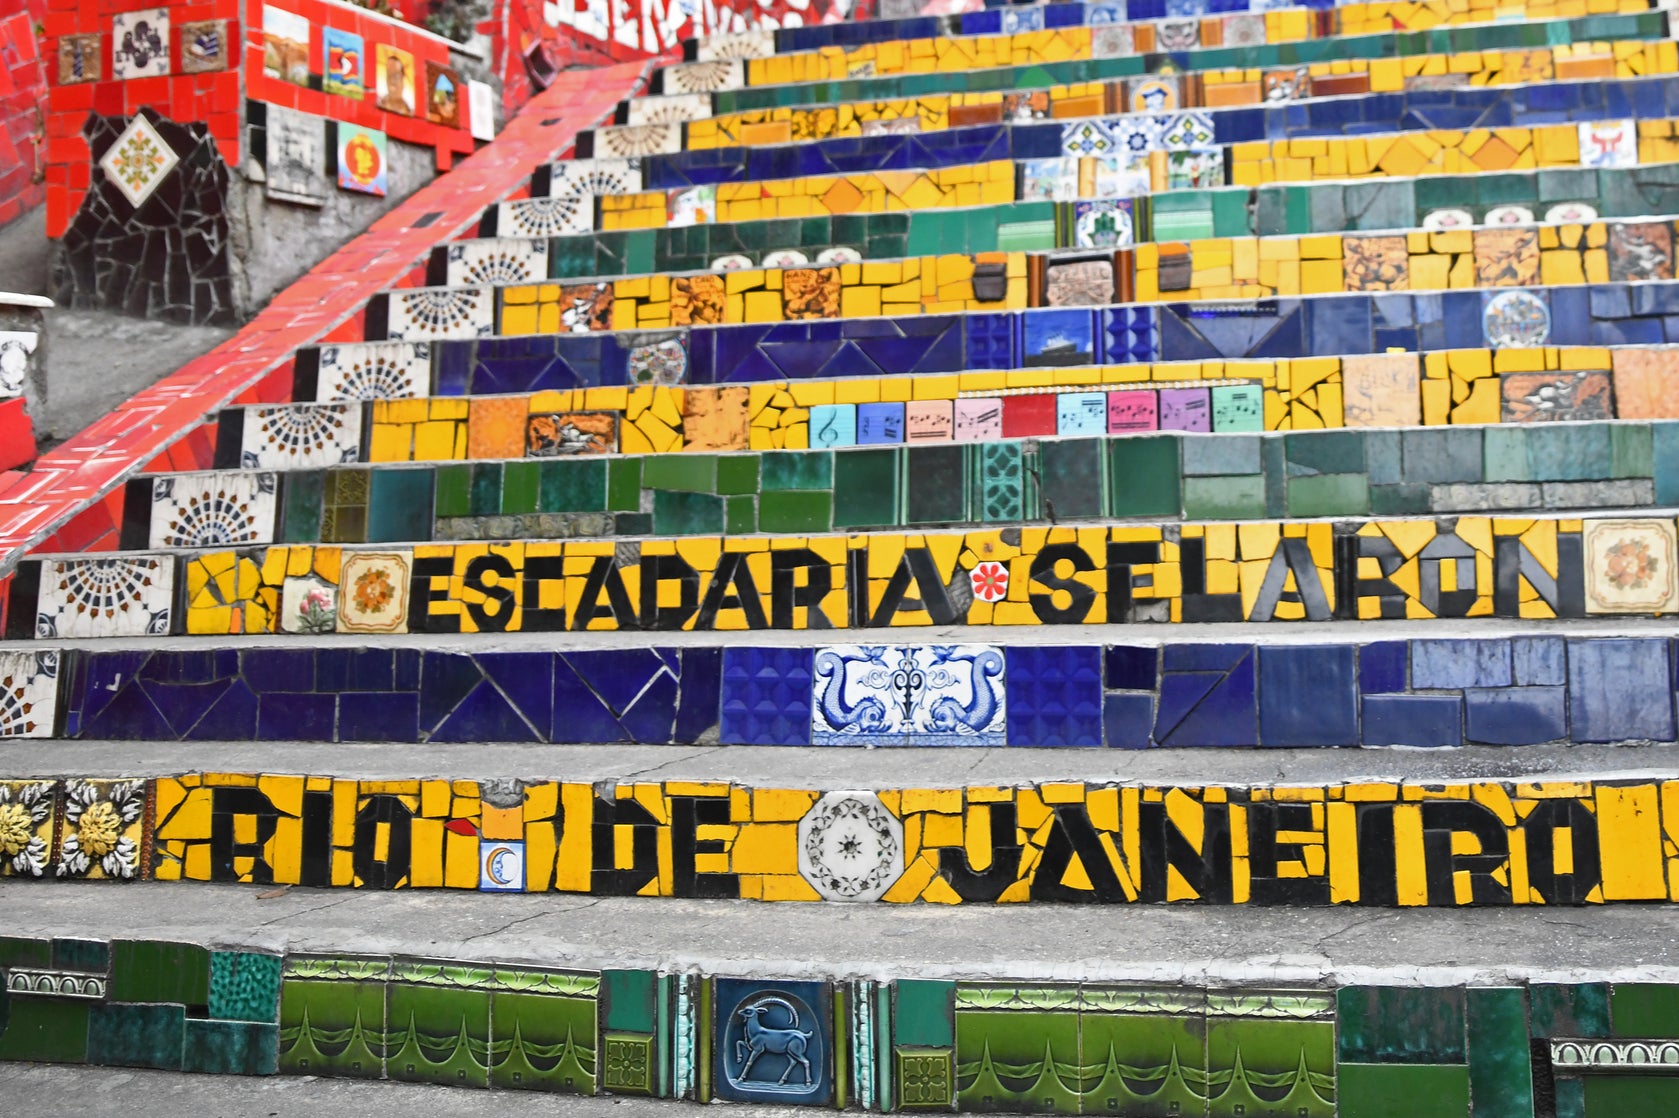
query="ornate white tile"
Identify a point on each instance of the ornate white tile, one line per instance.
(28, 694)
(926, 695)
(374, 371)
(850, 847)
(138, 161)
(705, 77)
(373, 592)
(673, 108)
(1112, 40)
(1244, 29)
(439, 313)
(16, 346)
(588, 177)
(566, 215)
(497, 260)
(627, 140)
(212, 509)
(140, 44)
(301, 436)
(758, 43)
(1631, 566)
(127, 596)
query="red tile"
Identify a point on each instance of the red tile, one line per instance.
(1024, 416)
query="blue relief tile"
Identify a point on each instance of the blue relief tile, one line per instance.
(988, 341)
(293, 717)
(1620, 690)
(1537, 661)
(526, 680)
(1198, 707)
(1132, 667)
(1515, 715)
(909, 695)
(1054, 695)
(484, 715)
(373, 717)
(745, 1073)
(1128, 720)
(700, 695)
(1381, 667)
(766, 696)
(1423, 720)
(1307, 695)
(1460, 663)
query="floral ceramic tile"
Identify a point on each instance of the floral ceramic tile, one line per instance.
(139, 161)
(1243, 29)
(656, 358)
(785, 258)
(673, 108)
(140, 44)
(1608, 143)
(1515, 319)
(28, 694)
(374, 371)
(301, 436)
(561, 216)
(563, 434)
(627, 140)
(927, 695)
(437, 313)
(839, 254)
(308, 605)
(1376, 264)
(593, 176)
(26, 826)
(373, 592)
(1112, 40)
(1641, 250)
(705, 77)
(1630, 566)
(212, 509)
(1088, 137)
(127, 596)
(497, 260)
(850, 847)
(103, 830)
(1188, 132)
(758, 43)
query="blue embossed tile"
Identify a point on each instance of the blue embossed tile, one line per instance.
(1199, 706)
(1421, 720)
(1460, 663)
(1132, 667)
(1381, 667)
(1515, 715)
(880, 424)
(1618, 690)
(1128, 719)
(766, 696)
(833, 425)
(1307, 696)
(774, 1042)
(1054, 695)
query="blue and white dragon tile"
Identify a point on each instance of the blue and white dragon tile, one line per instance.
(939, 694)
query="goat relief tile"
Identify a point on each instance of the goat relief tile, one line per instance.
(373, 371)
(774, 1042)
(1630, 566)
(140, 44)
(28, 694)
(301, 436)
(212, 509)
(438, 313)
(495, 261)
(124, 597)
(373, 592)
(927, 695)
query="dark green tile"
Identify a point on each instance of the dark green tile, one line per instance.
(300, 515)
(742, 515)
(866, 489)
(923, 1012)
(936, 491)
(1329, 495)
(16, 951)
(244, 986)
(454, 490)
(797, 469)
(1402, 1090)
(1070, 473)
(1396, 500)
(686, 514)
(1563, 1009)
(1144, 476)
(332, 1028)
(82, 954)
(1027, 1049)
(629, 996)
(149, 971)
(1632, 1096)
(521, 487)
(1644, 1009)
(231, 1048)
(623, 486)
(1166, 1052)
(1571, 1098)
(1224, 498)
(575, 485)
(680, 473)
(1324, 452)
(632, 524)
(137, 1036)
(1500, 1062)
(543, 1042)
(399, 506)
(737, 474)
(795, 512)
(437, 1034)
(486, 489)
(1498, 190)
(45, 1030)
(1400, 1024)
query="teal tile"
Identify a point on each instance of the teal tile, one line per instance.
(1070, 478)
(1324, 452)
(802, 469)
(1000, 477)
(1329, 495)
(399, 506)
(244, 986)
(303, 492)
(1401, 500)
(231, 1048)
(795, 512)
(1224, 498)
(137, 1036)
(737, 474)
(629, 1000)
(689, 473)
(1644, 1009)
(575, 485)
(82, 954)
(623, 486)
(686, 514)
(151, 971)
(1401, 1090)
(1631, 451)
(1504, 454)
(1400, 1024)
(1500, 1062)
(923, 1012)
(1571, 1098)
(485, 497)
(1569, 452)
(1563, 1009)
(1144, 476)
(866, 489)
(521, 488)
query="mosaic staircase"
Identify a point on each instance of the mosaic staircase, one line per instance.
(1316, 361)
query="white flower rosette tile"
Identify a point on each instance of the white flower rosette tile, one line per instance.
(213, 509)
(672, 108)
(927, 695)
(441, 314)
(850, 847)
(563, 215)
(495, 261)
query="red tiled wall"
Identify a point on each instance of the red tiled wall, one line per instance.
(23, 90)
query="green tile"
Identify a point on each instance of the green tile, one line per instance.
(922, 1015)
(795, 512)
(1402, 1090)
(521, 488)
(575, 485)
(1645, 1009)
(1500, 1062)
(1163, 1057)
(454, 491)
(629, 1000)
(82, 954)
(137, 1036)
(1504, 454)
(543, 1042)
(1224, 498)
(623, 486)
(937, 492)
(231, 1048)
(1070, 473)
(866, 488)
(1025, 236)
(1030, 1050)
(686, 514)
(742, 516)
(1329, 495)
(150, 971)
(1571, 1098)
(1324, 452)
(1144, 476)
(1400, 1024)
(45, 1030)
(332, 1028)
(437, 1034)
(796, 469)
(485, 497)
(684, 473)
(1230, 214)
(1631, 451)
(1632, 1096)
(1400, 500)
(1001, 482)
(1498, 190)
(300, 515)
(1569, 452)
(1256, 1058)
(1563, 1009)
(244, 986)
(399, 506)
(16, 951)
(737, 473)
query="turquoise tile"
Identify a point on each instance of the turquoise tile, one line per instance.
(1400, 1024)
(1500, 1062)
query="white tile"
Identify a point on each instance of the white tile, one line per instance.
(850, 847)
(138, 161)
(758, 43)
(705, 77)
(441, 313)
(212, 509)
(919, 695)
(566, 215)
(28, 694)
(673, 108)
(497, 260)
(638, 139)
(123, 596)
(301, 436)
(140, 44)
(374, 371)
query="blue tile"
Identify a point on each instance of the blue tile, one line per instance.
(617, 675)
(1307, 695)
(1460, 663)
(698, 703)
(776, 1006)
(1515, 715)
(1132, 667)
(278, 669)
(354, 669)
(1620, 690)
(291, 717)
(1054, 695)
(879, 424)
(485, 715)
(526, 680)
(1128, 720)
(651, 718)
(379, 718)
(1381, 667)
(1204, 657)
(1208, 707)
(1538, 661)
(445, 679)
(1412, 720)
(766, 696)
